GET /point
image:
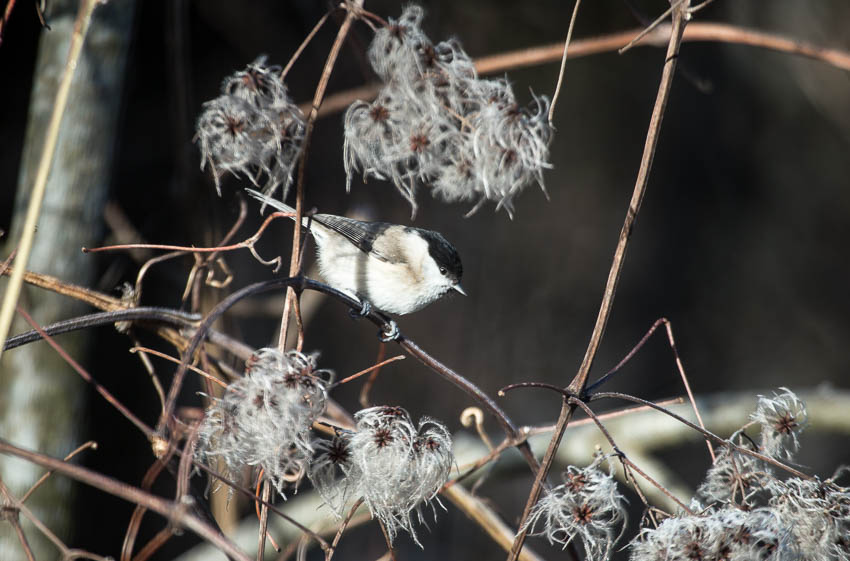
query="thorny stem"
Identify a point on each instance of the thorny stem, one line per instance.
(580, 381)
(292, 299)
(51, 137)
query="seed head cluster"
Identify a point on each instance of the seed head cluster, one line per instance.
(435, 122)
(746, 513)
(394, 465)
(253, 128)
(587, 507)
(264, 419)
(782, 417)
(734, 478)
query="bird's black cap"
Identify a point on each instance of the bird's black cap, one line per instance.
(442, 252)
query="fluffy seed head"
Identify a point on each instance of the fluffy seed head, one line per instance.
(436, 123)
(253, 128)
(782, 417)
(264, 418)
(396, 466)
(587, 507)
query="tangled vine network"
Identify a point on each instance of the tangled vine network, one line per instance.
(270, 431)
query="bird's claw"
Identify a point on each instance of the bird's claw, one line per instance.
(365, 310)
(390, 332)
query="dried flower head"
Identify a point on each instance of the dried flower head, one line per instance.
(253, 128)
(725, 534)
(819, 516)
(734, 478)
(394, 465)
(436, 123)
(586, 506)
(782, 417)
(264, 418)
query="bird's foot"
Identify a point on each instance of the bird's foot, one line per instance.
(365, 310)
(390, 332)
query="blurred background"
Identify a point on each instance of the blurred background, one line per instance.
(741, 241)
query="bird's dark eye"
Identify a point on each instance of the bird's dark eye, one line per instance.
(443, 271)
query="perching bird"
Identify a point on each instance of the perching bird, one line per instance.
(397, 269)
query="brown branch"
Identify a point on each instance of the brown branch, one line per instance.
(85, 446)
(175, 513)
(545, 54)
(51, 138)
(88, 378)
(580, 381)
(10, 4)
(292, 299)
(706, 433)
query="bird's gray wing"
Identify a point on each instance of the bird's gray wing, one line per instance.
(362, 234)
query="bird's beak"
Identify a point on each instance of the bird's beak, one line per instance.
(459, 288)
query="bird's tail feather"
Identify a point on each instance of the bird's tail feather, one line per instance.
(266, 200)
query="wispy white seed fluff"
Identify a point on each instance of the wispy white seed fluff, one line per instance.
(782, 418)
(396, 467)
(253, 128)
(263, 419)
(752, 514)
(587, 507)
(436, 124)
(734, 478)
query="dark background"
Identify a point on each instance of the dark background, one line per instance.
(741, 241)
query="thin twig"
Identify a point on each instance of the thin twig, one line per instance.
(139, 512)
(148, 366)
(6, 13)
(332, 549)
(305, 42)
(367, 386)
(696, 32)
(475, 416)
(91, 444)
(159, 315)
(264, 520)
(578, 383)
(622, 456)
(88, 378)
(648, 29)
(207, 375)
(292, 299)
(51, 137)
(173, 512)
(372, 368)
(706, 433)
(563, 62)
(669, 328)
(390, 549)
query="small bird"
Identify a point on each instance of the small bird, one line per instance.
(397, 269)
